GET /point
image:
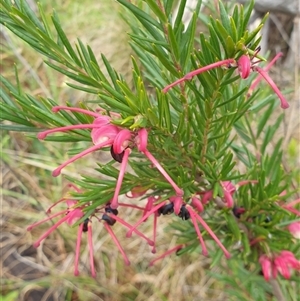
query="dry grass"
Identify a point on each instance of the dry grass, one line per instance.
(28, 189)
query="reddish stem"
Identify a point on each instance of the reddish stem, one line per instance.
(165, 254)
(91, 249)
(29, 228)
(192, 214)
(212, 234)
(114, 201)
(153, 210)
(44, 134)
(77, 250)
(65, 108)
(178, 191)
(115, 217)
(191, 74)
(57, 171)
(112, 234)
(50, 230)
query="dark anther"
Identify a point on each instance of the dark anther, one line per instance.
(108, 209)
(258, 49)
(85, 225)
(117, 157)
(262, 218)
(183, 213)
(238, 211)
(166, 209)
(268, 219)
(108, 219)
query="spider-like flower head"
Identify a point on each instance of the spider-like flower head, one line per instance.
(102, 133)
(71, 215)
(245, 65)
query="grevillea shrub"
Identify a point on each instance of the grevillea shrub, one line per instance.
(195, 125)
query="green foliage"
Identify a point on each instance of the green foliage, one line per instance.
(202, 131)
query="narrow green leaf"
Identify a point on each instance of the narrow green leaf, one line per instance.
(157, 10)
(187, 42)
(21, 33)
(234, 33)
(173, 42)
(114, 104)
(112, 73)
(45, 22)
(252, 35)
(81, 78)
(164, 59)
(222, 34)
(233, 226)
(179, 15)
(224, 17)
(240, 23)
(19, 128)
(31, 15)
(263, 119)
(64, 38)
(168, 6)
(247, 15)
(82, 88)
(141, 15)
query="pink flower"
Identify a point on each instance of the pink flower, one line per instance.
(290, 207)
(197, 204)
(294, 228)
(86, 226)
(291, 260)
(191, 74)
(108, 221)
(197, 218)
(245, 66)
(142, 141)
(154, 210)
(266, 265)
(282, 263)
(71, 215)
(111, 217)
(266, 69)
(121, 145)
(177, 202)
(103, 133)
(148, 207)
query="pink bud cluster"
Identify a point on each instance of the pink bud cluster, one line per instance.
(282, 263)
(245, 65)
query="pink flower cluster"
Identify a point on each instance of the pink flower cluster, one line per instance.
(245, 65)
(121, 142)
(73, 214)
(108, 216)
(282, 263)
